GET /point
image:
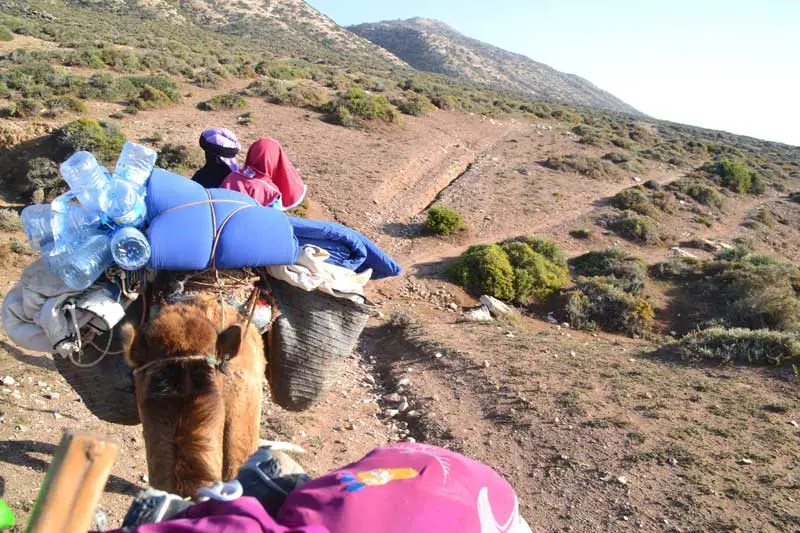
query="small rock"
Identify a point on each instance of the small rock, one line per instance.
(413, 414)
(672, 461)
(8, 381)
(478, 314)
(524, 171)
(16, 395)
(403, 407)
(375, 201)
(438, 355)
(453, 306)
(746, 461)
(495, 306)
(794, 423)
(391, 413)
(405, 382)
(52, 395)
(370, 378)
(486, 364)
(637, 179)
(673, 333)
(411, 439)
(551, 318)
(622, 480)
(565, 325)
(393, 398)
(351, 427)
(509, 334)
(572, 353)
(58, 416)
(41, 384)
(20, 428)
(145, 478)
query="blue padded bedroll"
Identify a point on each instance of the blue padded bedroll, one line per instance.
(185, 218)
(348, 248)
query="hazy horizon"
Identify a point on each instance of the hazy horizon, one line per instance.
(731, 66)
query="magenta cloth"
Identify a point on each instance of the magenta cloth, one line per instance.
(407, 487)
(402, 488)
(244, 515)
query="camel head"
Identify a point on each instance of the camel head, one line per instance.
(178, 375)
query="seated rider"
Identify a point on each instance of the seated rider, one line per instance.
(268, 176)
(220, 147)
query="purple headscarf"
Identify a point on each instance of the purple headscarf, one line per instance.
(223, 144)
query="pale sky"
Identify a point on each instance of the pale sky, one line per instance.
(730, 65)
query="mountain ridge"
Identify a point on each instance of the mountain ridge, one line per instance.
(433, 46)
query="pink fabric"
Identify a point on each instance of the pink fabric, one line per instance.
(404, 488)
(395, 489)
(268, 175)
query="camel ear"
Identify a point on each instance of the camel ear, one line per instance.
(134, 345)
(229, 342)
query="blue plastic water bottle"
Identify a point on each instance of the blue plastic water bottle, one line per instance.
(36, 221)
(86, 178)
(130, 249)
(135, 164)
(81, 263)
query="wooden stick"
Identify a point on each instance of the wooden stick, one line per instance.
(73, 485)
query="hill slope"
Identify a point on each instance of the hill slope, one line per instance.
(432, 46)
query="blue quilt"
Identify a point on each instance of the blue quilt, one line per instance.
(348, 248)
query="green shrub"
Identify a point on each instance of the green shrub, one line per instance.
(752, 291)
(207, 79)
(444, 220)
(484, 269)
(5, 34)
(276, 92)
(637, 228)
(633, 199)
(223, 102)
(541, 245)
(740, 345)
(101, 138)
(795, 197)
(700, 192)
(588, 166)
(104, 86)
(64, 104)
(9, 220)
(307, 95)
(179, 158)
(535, 275)
(590, 135)
(600, 303)
(154, 92)
(415, 105)
(629, 272)
(735, 176)
(580, 234)
(43, 175)
(444, 102)
(26, 108)
(617, 157)
(355, 105)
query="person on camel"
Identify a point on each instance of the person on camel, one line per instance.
(220, 147)
(268, 177)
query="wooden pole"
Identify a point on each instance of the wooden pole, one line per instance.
(73, 485)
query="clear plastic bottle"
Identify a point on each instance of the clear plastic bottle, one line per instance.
(86, 178)
(36, 221)
(130, 249)
(135, 164)
(82, 263)
(123, 204)
(70, 222)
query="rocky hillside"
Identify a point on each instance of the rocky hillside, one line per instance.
(295, 25)
(432, 46)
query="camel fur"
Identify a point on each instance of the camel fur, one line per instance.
(200, 421)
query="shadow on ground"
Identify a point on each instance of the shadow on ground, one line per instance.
(27, 453)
